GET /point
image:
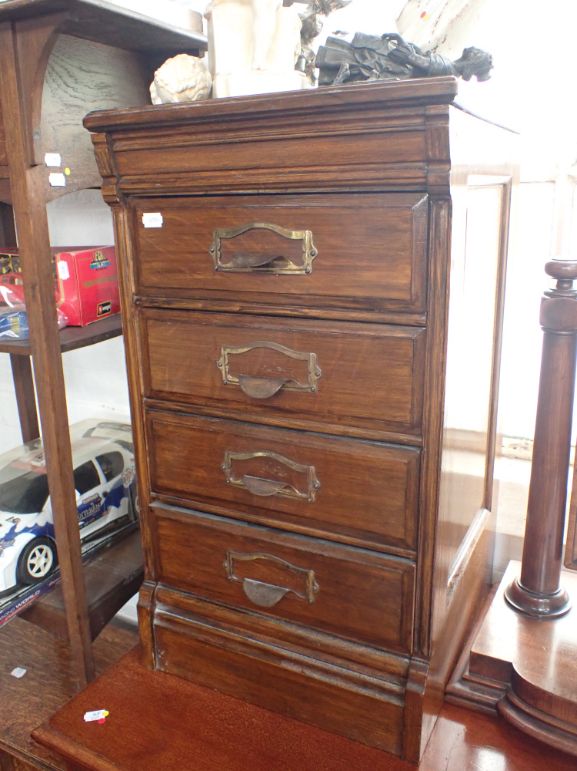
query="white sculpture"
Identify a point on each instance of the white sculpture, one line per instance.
(253, 47)
(182, 78)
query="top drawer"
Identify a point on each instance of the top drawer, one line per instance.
(356, 252)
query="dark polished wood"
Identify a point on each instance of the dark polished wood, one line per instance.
(349, 362)
(112, 577)
(537, 591)
(285, 270)
(239, 469)
(227, 733)
(570, 559)
(390, 239)
(106, 22)
(25, 396)
(48, 684)
(71, 338)
(525, 668)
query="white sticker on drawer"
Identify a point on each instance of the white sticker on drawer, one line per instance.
(152, 219)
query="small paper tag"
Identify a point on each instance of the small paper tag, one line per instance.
(63, 271)
(18, 672)
(95, 715)
(53, 159)
(57, 179)
(152, 219)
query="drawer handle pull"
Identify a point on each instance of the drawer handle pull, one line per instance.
(264, 594)
(259, 256)
(269, 487)
(264, 387)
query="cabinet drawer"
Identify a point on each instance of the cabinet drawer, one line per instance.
(335, 374)
(361, 251)
(357, 594)
(347, 489)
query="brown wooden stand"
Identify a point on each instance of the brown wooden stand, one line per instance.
(523, 658)
(57, 61)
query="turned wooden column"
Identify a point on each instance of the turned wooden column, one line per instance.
(537, 592)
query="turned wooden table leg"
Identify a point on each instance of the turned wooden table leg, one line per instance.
(538, 592)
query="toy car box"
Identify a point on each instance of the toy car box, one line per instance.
(104, 480)
(88, 283)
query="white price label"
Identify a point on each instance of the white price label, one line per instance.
(53, 159)
(63, 271)
(57, 179)
(152, 219)
(97, 714)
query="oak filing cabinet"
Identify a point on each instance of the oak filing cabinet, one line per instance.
(312, 287)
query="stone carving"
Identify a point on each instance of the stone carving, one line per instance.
(368, 57)
(182, 78)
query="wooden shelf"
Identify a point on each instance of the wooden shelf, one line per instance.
(59, 60)
(72, 338)
(106, 22)
(112, 577)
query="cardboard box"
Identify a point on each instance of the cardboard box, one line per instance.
(86, 281)
(88, 284)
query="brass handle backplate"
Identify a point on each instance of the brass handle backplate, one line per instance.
(265, 594)
(265, 386)
(264, 487)
(255, 254)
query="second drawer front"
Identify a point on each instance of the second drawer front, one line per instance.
(359, 375)
(337, 488)
(359, 595)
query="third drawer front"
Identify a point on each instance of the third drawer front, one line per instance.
(354, 593)
(334, 375)
(342, 489)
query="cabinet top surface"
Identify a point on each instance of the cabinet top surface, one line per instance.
(359, 97)
(107, 22)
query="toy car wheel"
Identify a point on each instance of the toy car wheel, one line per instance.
(135, 504)
(37, 561)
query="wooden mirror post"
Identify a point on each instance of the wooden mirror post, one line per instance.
(537, 592)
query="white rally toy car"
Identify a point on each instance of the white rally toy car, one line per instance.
(105, 493)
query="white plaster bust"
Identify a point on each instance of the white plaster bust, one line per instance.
(253, 46)
(182, 78)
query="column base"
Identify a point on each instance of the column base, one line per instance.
(537, 605)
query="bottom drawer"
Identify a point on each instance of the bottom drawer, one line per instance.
(335, 699)
(350, 592)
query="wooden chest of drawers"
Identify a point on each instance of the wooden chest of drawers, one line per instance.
(312, 287)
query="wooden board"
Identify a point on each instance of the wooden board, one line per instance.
(161, 722)
(112, 577)
(107, 22)
(46, 686)
(72, 338)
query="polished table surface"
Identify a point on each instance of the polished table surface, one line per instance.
(158, 721)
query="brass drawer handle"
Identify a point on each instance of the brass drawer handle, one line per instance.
(263, 387)
(256, 255)
(268, 487)
(264, 594)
